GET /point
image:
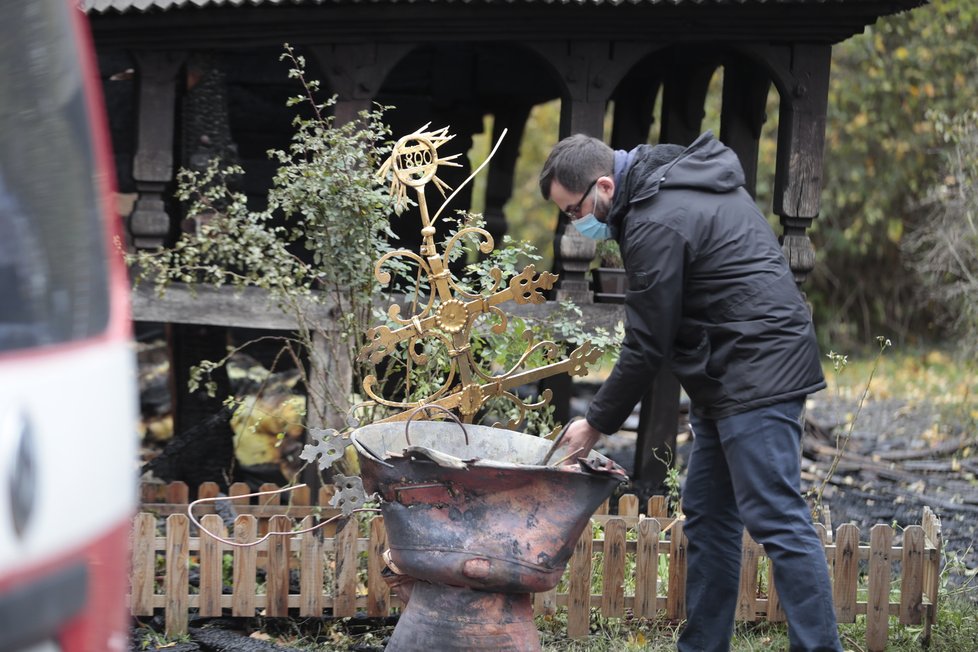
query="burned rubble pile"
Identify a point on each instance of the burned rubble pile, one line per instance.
(898, 457)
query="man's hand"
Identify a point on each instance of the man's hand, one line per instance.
(579, 435)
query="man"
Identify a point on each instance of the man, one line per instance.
(711, 295)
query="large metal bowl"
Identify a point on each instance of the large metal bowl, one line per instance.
(473, 506)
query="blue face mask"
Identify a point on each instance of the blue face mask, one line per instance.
(591, 227)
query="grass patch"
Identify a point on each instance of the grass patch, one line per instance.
(956, 630)
(926, 375)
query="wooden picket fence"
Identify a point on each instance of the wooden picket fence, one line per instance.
(336, 578)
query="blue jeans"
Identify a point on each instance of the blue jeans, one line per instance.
(744, 471)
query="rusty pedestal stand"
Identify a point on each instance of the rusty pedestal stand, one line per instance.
(469, 619)
(478, 518)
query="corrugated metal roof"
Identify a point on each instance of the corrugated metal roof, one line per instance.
(123, 6)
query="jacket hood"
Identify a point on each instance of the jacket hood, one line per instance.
(707, 164)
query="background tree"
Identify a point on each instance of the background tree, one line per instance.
(944, 247)
(883, 155)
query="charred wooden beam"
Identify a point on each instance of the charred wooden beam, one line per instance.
(153, 165)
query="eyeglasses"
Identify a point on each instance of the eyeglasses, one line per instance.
(574, 212)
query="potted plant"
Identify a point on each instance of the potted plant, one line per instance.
(609, 275)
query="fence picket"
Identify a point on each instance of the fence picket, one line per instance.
(208, 490)
(932, 532)
(912, 576)
(326, 493)
(932, 576)
(878, 598)
(277, 574)
(143, 565)
(271, 499)
(176, 584)
(775, 613)
(237, 490)
(747, 590)
(378, 591)
(657, 507)
(628, 505)
(300, 496)
(846, 572)
(211, 566)
(613, 583)
(647, 568)
(345, 598)
(177, 493)
(245, 566)
(310, 571)
(823, 533)
(676, 597)
(151, 492)
(579, 588)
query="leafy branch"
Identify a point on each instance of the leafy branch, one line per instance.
(323, 224)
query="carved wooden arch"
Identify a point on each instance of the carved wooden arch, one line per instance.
(496, 83)
(355, 72)
(635, 97)
(686, 83)
(588, 73)
(512, 116)
(800, 73)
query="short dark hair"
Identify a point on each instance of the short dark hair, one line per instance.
(575, 162)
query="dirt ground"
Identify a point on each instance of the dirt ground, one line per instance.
(901, 457)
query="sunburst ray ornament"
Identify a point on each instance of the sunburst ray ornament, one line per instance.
(414, 163)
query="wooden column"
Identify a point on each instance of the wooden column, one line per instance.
(684, 96)
(330, 376)
(658, 424)
(582, 111)
(206, 131)
(152, 168)
(745, 91)
(803, 79)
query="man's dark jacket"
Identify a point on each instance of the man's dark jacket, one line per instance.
(709, 290)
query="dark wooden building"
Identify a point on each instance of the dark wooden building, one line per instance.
(194, 78)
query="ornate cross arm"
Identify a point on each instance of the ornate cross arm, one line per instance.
(454, 316)
(468, 399)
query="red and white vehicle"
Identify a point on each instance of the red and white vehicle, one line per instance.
(67, 366)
